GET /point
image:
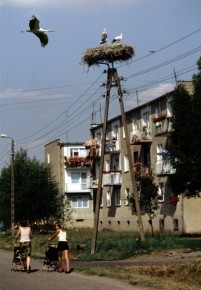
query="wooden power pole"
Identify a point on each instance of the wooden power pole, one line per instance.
(113, 79)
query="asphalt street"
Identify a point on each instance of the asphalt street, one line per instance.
(38, 279)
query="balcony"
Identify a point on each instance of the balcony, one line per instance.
(164, 167)
(159, 117)
(93, 146)
(76, 162)
(112, 179)
(78, 187)
(141, 136)
(112, 145)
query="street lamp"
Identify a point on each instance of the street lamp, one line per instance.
(12, 186)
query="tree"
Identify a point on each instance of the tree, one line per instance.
(148, 193)
(37, 195)
(185, 147)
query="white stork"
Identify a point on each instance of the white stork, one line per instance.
(104, 37)
(39, 32)
(118, 38)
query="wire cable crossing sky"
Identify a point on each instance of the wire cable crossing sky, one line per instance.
(46, 93)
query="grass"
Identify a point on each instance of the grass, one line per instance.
(118, 245)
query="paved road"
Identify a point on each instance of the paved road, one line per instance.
(38, 280)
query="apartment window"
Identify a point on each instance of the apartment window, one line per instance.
(159, 148)
(115, 162)
(136, 158)
(117, 195)
(77, 152)
(48, 158)
(134, 124)
(74, 152)
(101, 200)
(145, 119)
(126, 163)
(79, 201)
(75, 177)
(80, 178)
(169, 107)
(127, 195)
(83, 181)
(108, 199)
(107, 165)
(161, 192)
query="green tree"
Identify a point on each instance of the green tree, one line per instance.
(148, 193)
(185, 145)
(37, 195)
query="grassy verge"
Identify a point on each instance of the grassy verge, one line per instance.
(114, 245)
(185, 276)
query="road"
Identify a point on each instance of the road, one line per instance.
(38, 280)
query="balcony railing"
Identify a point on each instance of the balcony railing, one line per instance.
(140, 135)
(164, 167)
(112, 178)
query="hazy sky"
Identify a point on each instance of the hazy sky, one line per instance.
(46, 93)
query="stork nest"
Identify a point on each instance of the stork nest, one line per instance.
(107, 54)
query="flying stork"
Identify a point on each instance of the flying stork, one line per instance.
(118, 38)
(104, 37)
(38, 31)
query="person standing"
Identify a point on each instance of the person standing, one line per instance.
(62, 247)
(25, 234)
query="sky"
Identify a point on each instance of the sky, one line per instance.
(47, 93)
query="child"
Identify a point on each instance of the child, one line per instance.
(62, 247)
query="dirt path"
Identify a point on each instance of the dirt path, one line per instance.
(161, 257)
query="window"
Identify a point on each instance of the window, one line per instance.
(159, 148)
(48, 158)
(79, 178)
(127, 195)
(126, 163)
(83, 181)
(79, 202)
(75, 177)
(74, 152)
(145, 119)
(134, 124)
(161, 191)
(115, 162)
(107, 165)
(101, 200)
(108, 199)
(169, 107)
(117, 195)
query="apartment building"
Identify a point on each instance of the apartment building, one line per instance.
(148, 126)
(72, 170)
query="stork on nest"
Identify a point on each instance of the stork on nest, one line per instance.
(107, 54)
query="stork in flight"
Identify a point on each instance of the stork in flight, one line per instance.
(38, 31)
(118, 38)
(104, 37)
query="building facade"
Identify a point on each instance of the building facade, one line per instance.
(72, 170)
(148, 126)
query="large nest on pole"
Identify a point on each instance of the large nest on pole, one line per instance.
(107, 54)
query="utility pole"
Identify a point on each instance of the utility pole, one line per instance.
(12, 190)
(112, 77)
(99, 191)
(135, 192)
